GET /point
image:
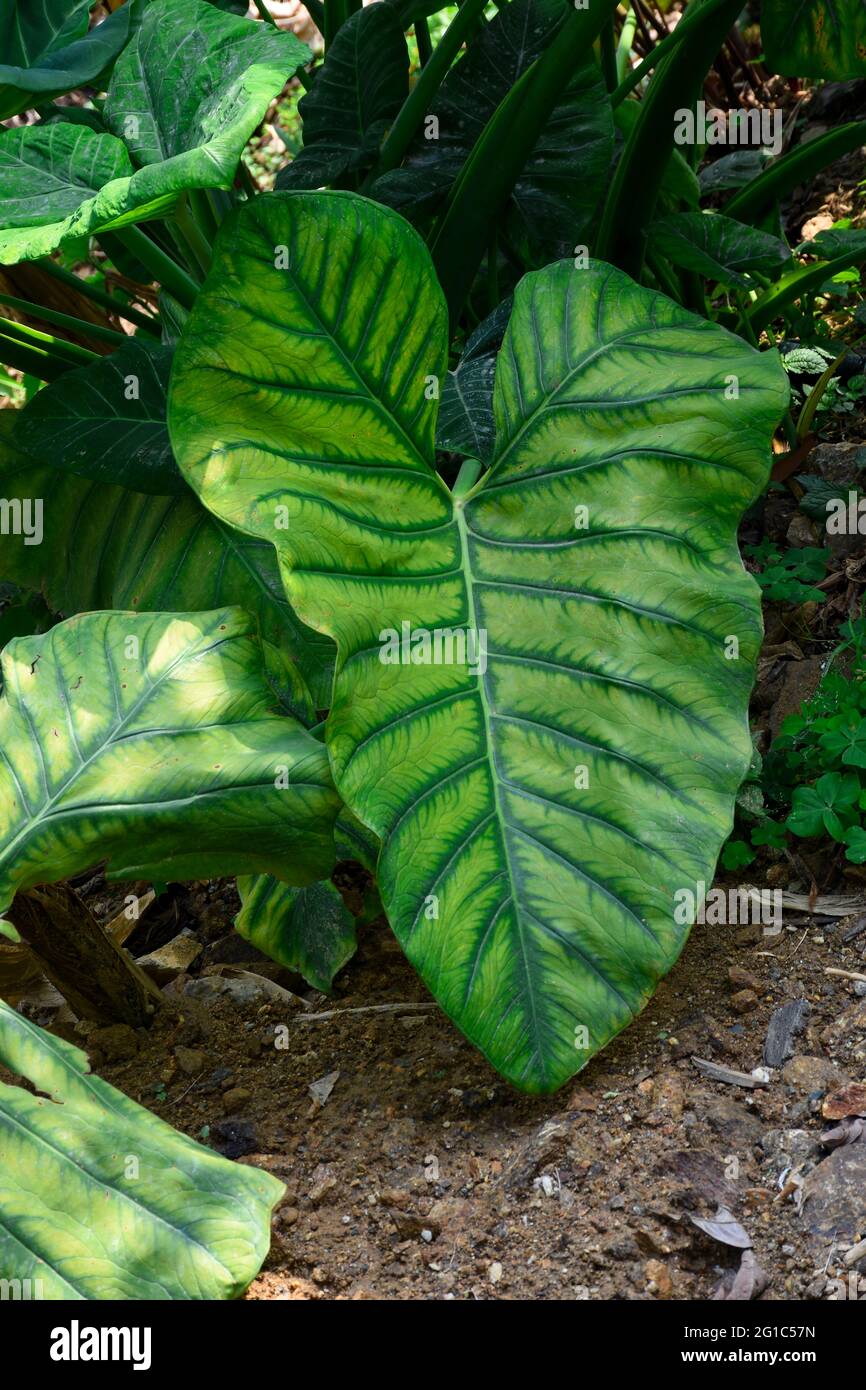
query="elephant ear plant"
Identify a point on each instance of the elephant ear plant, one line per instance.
(543, 673)
(388, 516)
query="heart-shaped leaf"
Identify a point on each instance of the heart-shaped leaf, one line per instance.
(106, 421)
(718, 247)
(148, 740)
(815, 38)
(185, 96)
(107, 547)
(47, 49)
(357, 93)
(99, 1199)
(305, 929)
(541, 692)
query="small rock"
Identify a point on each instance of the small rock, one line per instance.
(206, 989)
(851, 1100)
(117, 1043)
(323, 1184)
(744, 1001)
(851, 1020)
(172, 959)
(494, 1273)
(731, 1121)
(658, 1278)
(190, 1060)
(235, 1099)
(288, 1216)
(801, 531)
(447, 1211)
(785, 1024)
(839, 463)
(738, 978)
(808, 1075)
(834, 1194)
(789, 1148)
(234, 1138)
(749, 935)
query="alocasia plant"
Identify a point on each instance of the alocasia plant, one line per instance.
(540, 800)
(535, 676)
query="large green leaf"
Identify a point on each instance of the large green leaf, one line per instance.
(305, 929)
(718, 247)
(106, 421)
(148, 740)
(185, 96)
(556, 197)
(356, 94)
(50, 170)
(107, 547)
(815, 38)
(99, 1199)
(47, 49)
(538, 808)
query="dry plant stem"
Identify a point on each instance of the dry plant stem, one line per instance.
(97, 978)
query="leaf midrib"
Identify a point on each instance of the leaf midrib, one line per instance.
(499, 810)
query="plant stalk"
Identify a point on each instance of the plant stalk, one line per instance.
(101, 297)
(60, 320)
(462, 233)
(417, 105)
(164, 270)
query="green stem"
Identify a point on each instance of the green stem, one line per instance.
(101, 297)
(661, 50)
(317, 14)
(193, 236)
(666, 276)
(608, 54)
(499, 155)
(642, 165)
(58, 347)
(265, 13)
(466, 478)
(770, 305)
(202, 210)
(816, 395)
(336, 14)
(248, 183)
(31, 360)
(422, 39)
(163, 269)
(626, 39)
(798, 167)
(68, 321)
(417, 105)
(788, 423)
